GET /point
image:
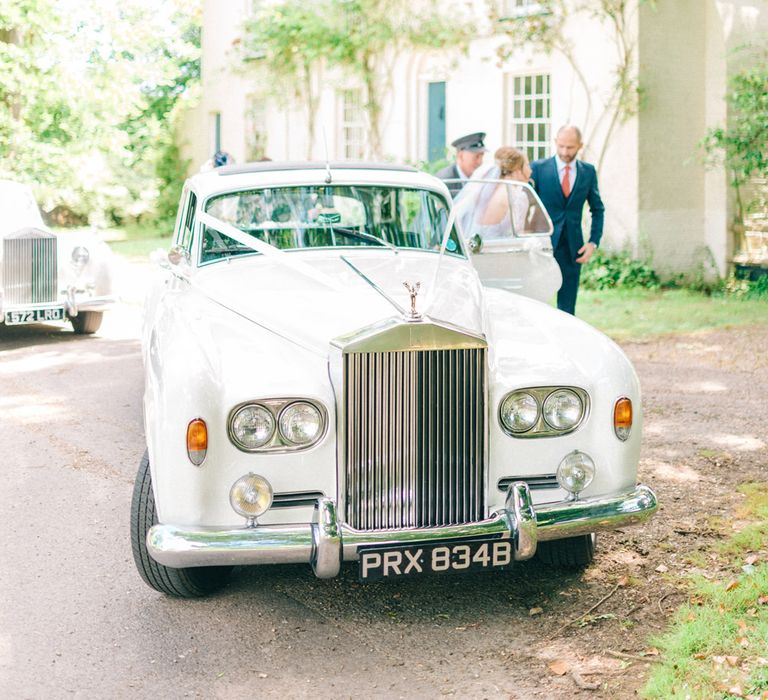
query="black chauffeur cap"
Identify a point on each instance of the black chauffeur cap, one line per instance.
(470, 142)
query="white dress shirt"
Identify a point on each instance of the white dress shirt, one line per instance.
(561, 171)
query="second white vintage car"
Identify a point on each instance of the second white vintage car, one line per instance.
(328, 380)
(46, 276)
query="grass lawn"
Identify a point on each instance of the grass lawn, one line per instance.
(138, 249)
(717, 644)
(633, 314)
(137, 241)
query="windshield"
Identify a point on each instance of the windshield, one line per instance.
(329, 216)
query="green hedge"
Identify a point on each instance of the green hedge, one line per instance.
(612, 270)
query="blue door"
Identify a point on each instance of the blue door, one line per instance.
(436, 122)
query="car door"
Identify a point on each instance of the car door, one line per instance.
(507, 230)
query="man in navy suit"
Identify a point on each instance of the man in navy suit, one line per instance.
(564, 184)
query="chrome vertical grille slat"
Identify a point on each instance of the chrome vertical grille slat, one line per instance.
(415, 448)
(30, 269)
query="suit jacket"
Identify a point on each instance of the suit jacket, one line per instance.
(451, 172)
(566, 213)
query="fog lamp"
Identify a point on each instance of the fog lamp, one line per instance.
(575, 472)
(251, 496)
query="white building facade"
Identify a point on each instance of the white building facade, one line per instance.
(661, 202)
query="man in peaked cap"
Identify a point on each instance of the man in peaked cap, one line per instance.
(470, 151)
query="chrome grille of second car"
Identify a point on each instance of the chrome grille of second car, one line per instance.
(30, 274)
(415, 446)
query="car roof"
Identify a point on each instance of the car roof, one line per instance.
(281, 174)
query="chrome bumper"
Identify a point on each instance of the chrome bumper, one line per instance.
(326, 542)
(76, 301)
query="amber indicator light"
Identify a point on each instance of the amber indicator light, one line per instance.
(197, 436)
(622, 414)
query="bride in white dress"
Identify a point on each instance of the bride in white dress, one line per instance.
(498, 211)
(504, 225)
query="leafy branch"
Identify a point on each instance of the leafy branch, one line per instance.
(742, 146)
(547, 31)
(288, 43)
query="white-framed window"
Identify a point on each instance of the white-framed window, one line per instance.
(529, 124)
(352, 124)
(520, 8)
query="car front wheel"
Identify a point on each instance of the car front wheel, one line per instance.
(192, 582)
(87, 322)
(569, 553)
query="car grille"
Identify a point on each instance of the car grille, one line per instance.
(415, 446)
(30, 273)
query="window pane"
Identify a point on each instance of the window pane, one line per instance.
(530, 110)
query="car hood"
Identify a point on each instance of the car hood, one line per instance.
(334, 295)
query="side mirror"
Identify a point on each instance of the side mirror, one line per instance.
(475, 244)
(178, 255)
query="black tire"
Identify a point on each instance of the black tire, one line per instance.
(87, 322)
(192, 582)
(570, 553)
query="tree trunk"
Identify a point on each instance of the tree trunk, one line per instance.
(372, 105)
(310, 103)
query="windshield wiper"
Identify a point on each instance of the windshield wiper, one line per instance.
(361, 236)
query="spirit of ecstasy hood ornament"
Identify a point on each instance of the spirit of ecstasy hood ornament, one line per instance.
(413, 290)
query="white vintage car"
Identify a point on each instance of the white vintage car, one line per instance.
(328, 380)
(46, 276)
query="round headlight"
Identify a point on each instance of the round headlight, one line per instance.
(251, 496)
(519, 411)
(563, 409)
(575, 472)
(300, 423)
(80, 256)
(252, 426)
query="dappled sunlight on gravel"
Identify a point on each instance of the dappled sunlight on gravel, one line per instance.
(743, 443)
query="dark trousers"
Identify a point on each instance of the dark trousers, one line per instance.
(566, 295)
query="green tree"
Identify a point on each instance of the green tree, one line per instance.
(293, 42)
(742, 145)
(366, 36)
(284, 46)
(546, 29)
(87, 96)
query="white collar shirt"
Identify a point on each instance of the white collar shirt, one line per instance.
(462, 176)
(572, 172)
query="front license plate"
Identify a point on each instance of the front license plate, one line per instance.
(386, 563)
(15, 318)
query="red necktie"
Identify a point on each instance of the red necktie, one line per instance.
(567, 181)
